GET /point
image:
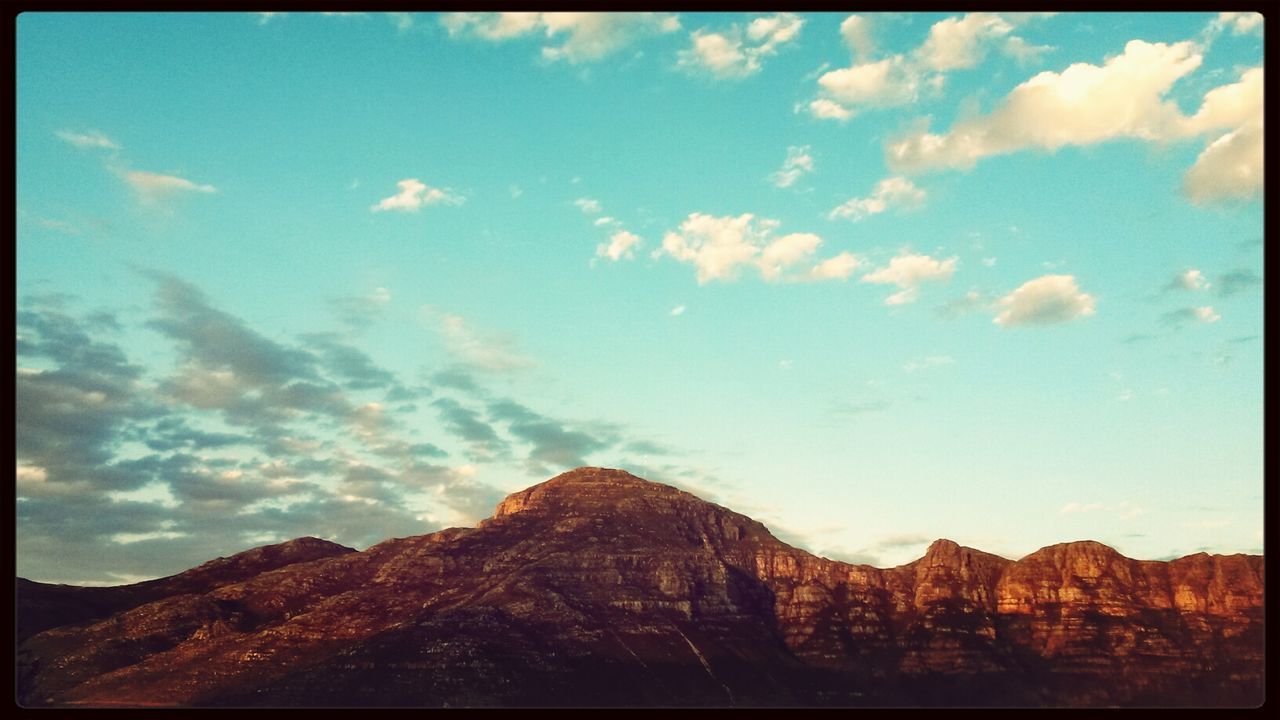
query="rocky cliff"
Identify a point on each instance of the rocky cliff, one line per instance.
(600, 588)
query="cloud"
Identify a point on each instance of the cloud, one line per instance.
(587, 36)
(825, 109)
(798, 162)
(1124, 510)
(1202, 314)
(588, 206)
(908, 271)
(359, 312)
(553, 445)
(348, 363)
(1240, 23)
(414, 195)
(1082, 105)
(153, 187)
(493, 353)
(1125, 97)
(1236, 281)
(720, 246)
(92, 139)
(838, 267)
(954, 43)
(1229, 169)
(730, 54)
(1048, 299)
(677, 311)
(1189, 280)
(889, 192)
(621, 245)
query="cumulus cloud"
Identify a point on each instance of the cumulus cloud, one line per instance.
(621, 245)
(954, 43)
(720, 246)
(838, 267)
(825, 109)
(415, 194)
(553, 445)
(890, 192)
(1084, 104)
(1230, 168)
(1125, 97)
(734, 53)
(92, 139)
(797, 163)
(587, 36)
(1045, 300)
(908, 271)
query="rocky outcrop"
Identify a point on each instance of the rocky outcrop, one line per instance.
(600, 588)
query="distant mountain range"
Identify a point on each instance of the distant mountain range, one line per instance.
(599, 588)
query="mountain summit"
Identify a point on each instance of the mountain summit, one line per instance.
(600, 588)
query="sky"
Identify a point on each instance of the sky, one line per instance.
(872, 280)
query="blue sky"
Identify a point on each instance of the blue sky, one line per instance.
(873, 280)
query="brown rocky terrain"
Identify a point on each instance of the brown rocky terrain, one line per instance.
(600, 588)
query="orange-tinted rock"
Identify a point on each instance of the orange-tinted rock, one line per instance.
(599, 588)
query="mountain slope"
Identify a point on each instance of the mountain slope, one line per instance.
(600, 588)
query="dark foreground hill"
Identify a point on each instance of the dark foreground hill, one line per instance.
(600, 588)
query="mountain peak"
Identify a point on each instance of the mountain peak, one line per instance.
(587, 489)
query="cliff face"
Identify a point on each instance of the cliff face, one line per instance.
(599, 588)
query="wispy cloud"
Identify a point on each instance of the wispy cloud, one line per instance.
(154, 187)
(797, 163)
(92, 139)
(587, 36)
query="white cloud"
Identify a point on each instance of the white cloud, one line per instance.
(784, 252)
(1231, 168)
(1206, 314)
(90, 139)
(588, 36)
(622, 245)
(152, 187)
(588, 206)
(856, 31)
(1045, 300)
(1239, 22)
(890, 192)
(839, 267)
(413, 195)
(1190, 280)
(908, 271)
(825, 109)
(954, 43)
(957, 42)
(729, 54)
(1083, 104)
(677, 311)
(717, 246)
(720, 246)
(1125, 97)
(798, 162)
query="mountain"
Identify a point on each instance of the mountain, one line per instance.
(599, 588)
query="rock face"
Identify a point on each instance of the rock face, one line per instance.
(600, 588)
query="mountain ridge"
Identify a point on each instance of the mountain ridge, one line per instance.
(598, 579)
